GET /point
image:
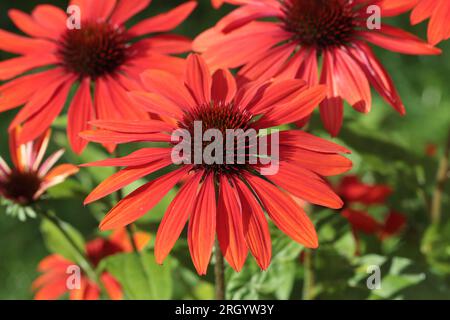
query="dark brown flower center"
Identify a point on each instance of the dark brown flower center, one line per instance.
(95, 50)
(320, 23)
(232, 123)
(21, 187)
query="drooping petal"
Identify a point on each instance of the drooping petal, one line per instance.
(397, 40)
(124, 177)
(284, 212)
(304, 140)
(18, 91)
(439, 28)
(202, 226)
(143, 199)
(81, 111)
(256, 228)
(137, 158)
(50, 162)
(423, 10)
(176, 217)
(320, 163)
(377, 75)
(332, 108)
(306, 185)
(13, 67)
(230, 230)
(43, 119)
(352, 85)
(109, 137)
(133, 126)
(40, 98)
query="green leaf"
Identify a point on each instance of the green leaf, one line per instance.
(57, 242)
(140, 276)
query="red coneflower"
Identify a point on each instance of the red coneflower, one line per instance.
(102, 53)
(337, 31)
(55, 269)
(438, 11)
(359, 198)
(31, 176)
(236, 212)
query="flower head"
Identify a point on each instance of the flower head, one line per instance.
(30, 176)
(305, 35)
(224, 198)
(99, 53)
(438, 11)
(359, 198)
(55, 269)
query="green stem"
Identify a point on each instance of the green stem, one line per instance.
(85, 264)
(308, 276)
(219, 272)
(441, 179)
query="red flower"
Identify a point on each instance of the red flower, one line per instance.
(358, 198)
(52, 284)
(304, 30)
(102, 53)
(237, 214)
(31, 177)
(438, 11)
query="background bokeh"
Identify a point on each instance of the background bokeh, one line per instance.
(387, 149)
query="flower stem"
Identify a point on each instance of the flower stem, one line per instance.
(441, 179)
(86, 265)
(219, 272)
(308, 276)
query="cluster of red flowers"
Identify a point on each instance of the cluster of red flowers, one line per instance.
(53, 282)
(129, 86)
(359, 198)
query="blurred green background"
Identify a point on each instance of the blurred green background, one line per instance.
(387, 149)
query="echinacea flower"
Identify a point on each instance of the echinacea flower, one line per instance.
(308, 35)
(30, 176)
(99, 54)
(56, 269)
(236, 212)
(438, 11)
(358, 199)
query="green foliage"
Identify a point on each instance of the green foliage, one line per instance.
(141, 277)
(57, 242)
